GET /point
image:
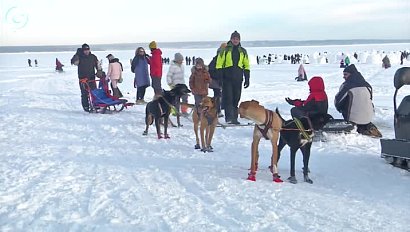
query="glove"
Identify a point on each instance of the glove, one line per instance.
(290, 101)
(246, 84)
(99, 74)
(293, 102)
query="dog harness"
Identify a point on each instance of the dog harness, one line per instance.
(264, 128)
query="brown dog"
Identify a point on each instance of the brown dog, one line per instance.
(206, 119)
(268, 125)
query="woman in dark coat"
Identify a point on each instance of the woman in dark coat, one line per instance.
(139, 66)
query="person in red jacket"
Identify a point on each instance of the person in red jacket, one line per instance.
(156, 68)
(316, 103)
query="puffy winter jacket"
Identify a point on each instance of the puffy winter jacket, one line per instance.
(139, 66)
(316, 103)
(175, 74)
(114, 70)
(156, 63)
(87, 64)
(355, 98)
(199, 82)
(359, 106)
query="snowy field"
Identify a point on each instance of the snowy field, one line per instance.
(62, 169)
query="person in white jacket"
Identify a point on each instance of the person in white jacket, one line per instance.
(114, 73)
(176, 75)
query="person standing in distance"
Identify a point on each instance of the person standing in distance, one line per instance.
(233, 61)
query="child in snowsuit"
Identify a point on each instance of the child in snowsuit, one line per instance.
(199, 82)
(316, 103)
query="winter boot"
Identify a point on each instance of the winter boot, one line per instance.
(235, 116)
(117, 93)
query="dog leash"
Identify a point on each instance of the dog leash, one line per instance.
(174, 108)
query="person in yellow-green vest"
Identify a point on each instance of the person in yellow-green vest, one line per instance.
(233, 63)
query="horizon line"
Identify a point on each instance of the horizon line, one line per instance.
(216, 41)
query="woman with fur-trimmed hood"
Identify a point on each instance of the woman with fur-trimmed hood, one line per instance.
(139, 66)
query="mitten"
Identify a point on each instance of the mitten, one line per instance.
(246, 84)
(290, 101)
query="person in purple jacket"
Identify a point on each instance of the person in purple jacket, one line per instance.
(139, 66)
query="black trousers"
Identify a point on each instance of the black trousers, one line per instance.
(218, 99)
(84, 94)
(141, 92)
(231, 94)
(297, 112)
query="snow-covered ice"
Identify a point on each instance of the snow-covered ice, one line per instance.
(62, 169)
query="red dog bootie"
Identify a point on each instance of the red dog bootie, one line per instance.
(251, 176)
(276, 178)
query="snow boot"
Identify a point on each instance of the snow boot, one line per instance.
(117, 93)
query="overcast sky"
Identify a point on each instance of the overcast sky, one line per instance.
(58, 22)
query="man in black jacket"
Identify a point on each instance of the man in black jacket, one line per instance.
(87, 64)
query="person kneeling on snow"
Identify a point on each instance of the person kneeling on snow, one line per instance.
(315, 104)
(354, 101)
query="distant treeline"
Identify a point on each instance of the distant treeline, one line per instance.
(192, 45)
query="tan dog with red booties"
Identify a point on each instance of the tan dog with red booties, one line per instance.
(268, 125)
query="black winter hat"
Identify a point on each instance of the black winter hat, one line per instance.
(235, 34)
(85, 47)
(350, 69)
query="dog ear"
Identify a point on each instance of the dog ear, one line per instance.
(254, 101)
(244, 105)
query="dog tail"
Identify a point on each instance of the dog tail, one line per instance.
(280, 116)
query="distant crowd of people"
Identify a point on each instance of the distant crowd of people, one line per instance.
(296, 58)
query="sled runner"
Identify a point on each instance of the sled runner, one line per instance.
(225, 125)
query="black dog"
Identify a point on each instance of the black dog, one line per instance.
(292, 136)
(160, 108)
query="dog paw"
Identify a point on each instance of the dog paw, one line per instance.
(160, 137)
(197, 146)
(210, 149)
(180, 125)
(204, 150)
(308, 180)
(166, 136)
(145, 133)
(292, 180)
